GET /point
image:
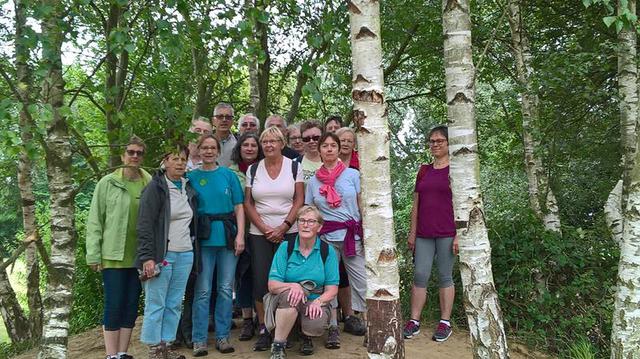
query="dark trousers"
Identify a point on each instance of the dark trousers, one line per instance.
(262, 252)
(121, 295)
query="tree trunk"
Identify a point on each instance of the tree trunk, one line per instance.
(59, 296)
(264, 68)
(254, 91)
(613, 212)
(480, 296)
(18, 327)
(625, 342)
(25, 183)
(541, 197)
(383, 292)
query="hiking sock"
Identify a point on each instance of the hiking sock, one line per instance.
(444, 321)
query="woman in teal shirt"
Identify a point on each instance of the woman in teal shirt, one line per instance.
(221, 214)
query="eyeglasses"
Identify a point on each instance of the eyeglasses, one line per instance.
(224, 117)
(309, 138)
(310, 222)
(248, 124)
(132, 153)
(295, 138)
(438, 142)
(269, 142)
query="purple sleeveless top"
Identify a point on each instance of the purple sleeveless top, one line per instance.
(435, 204)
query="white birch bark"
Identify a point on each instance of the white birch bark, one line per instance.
(383, 292)
(613, 212)
(480, 297)
(541, 197)
(58, 297)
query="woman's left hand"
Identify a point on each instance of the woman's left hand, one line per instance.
(456, 249)
(314, 310)
(239, 245)
(277, 235)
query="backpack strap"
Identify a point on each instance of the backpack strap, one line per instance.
(252, 170)
(294, 169)
(324, 250)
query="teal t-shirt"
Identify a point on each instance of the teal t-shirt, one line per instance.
(298, 268)
(218, 192)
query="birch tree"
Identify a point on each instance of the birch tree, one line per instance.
(541, 197)
(383, 293)
(58, 297)
(480, 297)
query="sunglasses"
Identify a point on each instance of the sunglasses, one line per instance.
(309, 138)
(132, 153)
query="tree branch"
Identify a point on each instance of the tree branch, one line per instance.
(87, 80)
(396, 61)
(84, 150)
(493, 36)
(89, 96)
(429, 93)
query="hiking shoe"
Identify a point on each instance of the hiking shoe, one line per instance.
(411, 329)
(333, 338)
(443, 332)
(125, 356)
(247, 331)
(223, 346)
(156, 351)
(264, 340)
(306, 347)
(354, 325)
(277, 351)
(200, 349)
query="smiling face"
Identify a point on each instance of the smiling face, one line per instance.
(175, 165)
(271, 145)
(295, 140)
(132, 156)
(249, 150)
(329, 150)
(438, 145)
(208, 151)
(347, 143)
(310, 137)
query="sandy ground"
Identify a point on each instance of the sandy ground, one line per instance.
(90, 345)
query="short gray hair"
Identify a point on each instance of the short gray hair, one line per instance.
(313, 209)
(222, 105)
(271, 117)
(248, 116)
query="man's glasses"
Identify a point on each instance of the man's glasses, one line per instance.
(309, 138)
(224, 117)
(248, 124)
(132, 153)
(310, 222)
(295, 138)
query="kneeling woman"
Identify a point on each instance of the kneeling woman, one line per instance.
(303, 280)
(166, 230)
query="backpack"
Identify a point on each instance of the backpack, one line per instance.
(254, 168)
(324, 250)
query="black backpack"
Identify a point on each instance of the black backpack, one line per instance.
(324, 250)
(254, 168)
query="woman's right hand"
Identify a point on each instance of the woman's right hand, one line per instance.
(149, 268)
(96, 267)
(296, 295)
(411, 242)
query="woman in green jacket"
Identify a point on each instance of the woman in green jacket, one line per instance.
(111, 246)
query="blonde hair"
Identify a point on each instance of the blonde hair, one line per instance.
(312, 209)
(275, 132)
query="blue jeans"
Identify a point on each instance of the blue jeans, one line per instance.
(163, 299)
(121, 293)
(224, 261)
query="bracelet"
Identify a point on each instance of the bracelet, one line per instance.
(288, 223)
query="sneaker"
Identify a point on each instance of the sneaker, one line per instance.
(277, 351)
(306, 347)
(223, 346)
(264, 340)
(354, 325)
(200, 349)
(443, 332)
(333, 338)
(247, 331)
(156, 351)
(125, 356)
(411, 329)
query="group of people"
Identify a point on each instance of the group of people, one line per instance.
(268, 222)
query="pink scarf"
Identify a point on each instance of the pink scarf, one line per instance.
(328, 179)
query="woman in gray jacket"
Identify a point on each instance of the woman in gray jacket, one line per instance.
(166, 247)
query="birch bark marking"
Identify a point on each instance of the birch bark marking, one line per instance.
(480, 297)
(541, 196)
(59, 296)
(383, 291)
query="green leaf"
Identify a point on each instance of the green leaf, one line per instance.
(609, 20)
(619, 25)
(263, 17)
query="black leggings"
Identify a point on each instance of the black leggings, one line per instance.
(262, 252)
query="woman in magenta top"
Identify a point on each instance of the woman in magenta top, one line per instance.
(432, 236)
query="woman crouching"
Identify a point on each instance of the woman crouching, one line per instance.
(166, 232)
(302, 282)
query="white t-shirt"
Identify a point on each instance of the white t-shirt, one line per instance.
(273, 198)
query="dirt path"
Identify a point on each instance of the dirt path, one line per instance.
(89, 345)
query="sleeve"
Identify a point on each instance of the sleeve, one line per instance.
(300, 174)
(308, 192)
(278, 269)
(421, 172)
(237, 194)
(95, 224)
(356, 180)
(148, 214)
(331, 275)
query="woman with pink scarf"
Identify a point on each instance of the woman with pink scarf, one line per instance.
(335, 191)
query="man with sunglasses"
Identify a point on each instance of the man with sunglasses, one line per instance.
(223, 122)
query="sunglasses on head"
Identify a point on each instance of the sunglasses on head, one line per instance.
(131, 153)
(315, 138)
